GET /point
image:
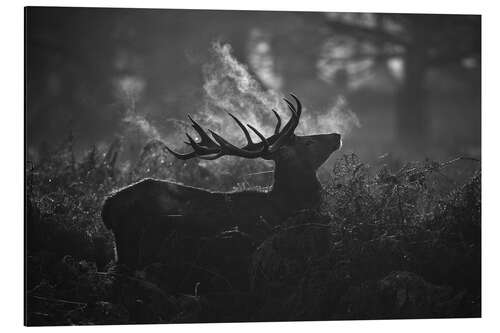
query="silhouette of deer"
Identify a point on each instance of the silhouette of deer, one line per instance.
(149, 214)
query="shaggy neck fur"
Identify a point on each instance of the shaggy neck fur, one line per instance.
(297, 187)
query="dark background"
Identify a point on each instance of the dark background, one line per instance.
(404, 84)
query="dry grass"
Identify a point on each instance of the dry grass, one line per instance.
(386, 243)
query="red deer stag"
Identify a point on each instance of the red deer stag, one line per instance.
(146, 216)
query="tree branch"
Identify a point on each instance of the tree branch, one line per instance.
(360, 32)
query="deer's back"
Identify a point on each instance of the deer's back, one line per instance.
(159, 199)
(144, 215)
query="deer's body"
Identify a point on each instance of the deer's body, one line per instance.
(143, 214)
(146, 215)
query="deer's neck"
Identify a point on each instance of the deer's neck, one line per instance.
(296, 188)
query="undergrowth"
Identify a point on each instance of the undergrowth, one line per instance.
(386, 243)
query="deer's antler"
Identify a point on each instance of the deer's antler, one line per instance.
(210, 149)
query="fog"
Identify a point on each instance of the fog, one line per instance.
(404, 85)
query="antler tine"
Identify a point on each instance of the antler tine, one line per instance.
(245, 131)
(294, 119)
(206, 146)
(182, 156)
(214, 157)
(231, 149)
(291, 106)
(278, 125)
(204, 137)
(299, 105)
(289, 127)
(191, 142)
(200, 149)
(262, 138)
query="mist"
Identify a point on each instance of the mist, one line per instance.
(147, 70)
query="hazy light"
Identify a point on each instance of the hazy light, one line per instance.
(229, 87)
(129, 88)
(339, 55)
(469, 63)
(396, 67)
(261, 60)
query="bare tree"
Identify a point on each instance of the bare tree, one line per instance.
(422, 42)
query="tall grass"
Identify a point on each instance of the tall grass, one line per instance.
(387, 243)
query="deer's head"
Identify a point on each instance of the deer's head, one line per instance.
(303, 154)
